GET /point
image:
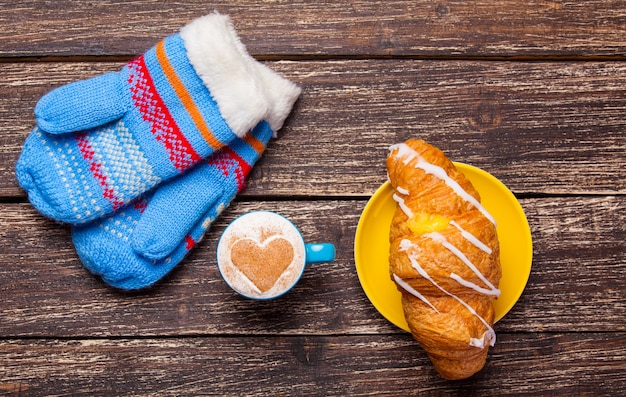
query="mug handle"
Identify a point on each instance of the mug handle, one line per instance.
(317, 253)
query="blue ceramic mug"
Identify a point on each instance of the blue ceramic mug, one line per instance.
(262, 255)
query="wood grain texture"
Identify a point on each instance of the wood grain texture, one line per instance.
(300, 28)
(534, 92)
(519, 364)
(519, 121)
(576, 283)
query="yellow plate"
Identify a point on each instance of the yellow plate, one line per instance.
(371, 245)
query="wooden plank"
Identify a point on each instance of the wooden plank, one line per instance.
(550, 128)
(576, 284)
(535, 364)
(325, 28)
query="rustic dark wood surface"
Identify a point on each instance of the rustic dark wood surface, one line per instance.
(534, 92)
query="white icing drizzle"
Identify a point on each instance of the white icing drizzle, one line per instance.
(413, 292)
(402, 190)
(473, 286)
(407, 211)
(479, 342)
(406, 151)
(472, 239)
(490, 334)
(444, 241)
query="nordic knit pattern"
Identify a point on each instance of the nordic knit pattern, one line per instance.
(154, 112)
(117, 164)
(149, 122)
(143, 241)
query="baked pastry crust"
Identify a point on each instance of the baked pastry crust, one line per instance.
(444, 258)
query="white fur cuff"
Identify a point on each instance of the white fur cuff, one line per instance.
(237, 82)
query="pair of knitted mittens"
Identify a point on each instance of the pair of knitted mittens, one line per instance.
(141, 161)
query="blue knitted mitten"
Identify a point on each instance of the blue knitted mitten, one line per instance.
(141, 243)
(102, 142)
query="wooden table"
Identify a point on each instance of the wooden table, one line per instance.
(533, 92)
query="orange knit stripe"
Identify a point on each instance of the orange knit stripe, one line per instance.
(186, 98)
(255, 143)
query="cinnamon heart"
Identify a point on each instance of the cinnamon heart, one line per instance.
(262, 263)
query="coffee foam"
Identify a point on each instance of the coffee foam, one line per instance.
(262, 228)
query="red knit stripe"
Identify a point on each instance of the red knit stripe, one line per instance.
(189, 243)
(96, 169)
(185, 97)
(226, 160)
(140, 204)
(154, 111)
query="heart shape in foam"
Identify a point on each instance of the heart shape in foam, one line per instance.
(262, 262)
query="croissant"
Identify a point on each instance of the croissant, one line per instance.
(444, 258)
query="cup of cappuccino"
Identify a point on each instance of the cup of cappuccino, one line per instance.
(262, 255)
